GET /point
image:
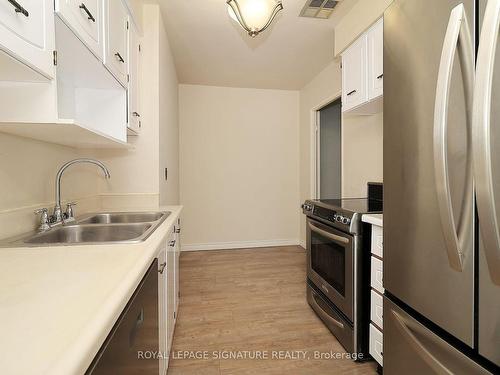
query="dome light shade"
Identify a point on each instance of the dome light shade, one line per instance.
(254, 16)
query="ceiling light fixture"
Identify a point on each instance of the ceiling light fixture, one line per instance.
(254, 16)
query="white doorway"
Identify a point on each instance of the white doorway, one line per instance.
(328, 151)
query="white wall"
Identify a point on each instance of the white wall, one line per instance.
(169, 123)
(239, 155)
(28, 170)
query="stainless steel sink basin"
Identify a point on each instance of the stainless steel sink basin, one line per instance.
(84, 234)
(124, 218)
(96, 229)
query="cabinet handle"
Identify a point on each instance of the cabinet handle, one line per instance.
(119, 57)
(86, 10)
(350, 93)
(19, 8)
(162, 267)
(171, 243)
(380, 76)
(135, 114)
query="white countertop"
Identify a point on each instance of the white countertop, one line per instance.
(375, 219)
(58, 304)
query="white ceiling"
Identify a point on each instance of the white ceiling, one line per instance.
(211, 49)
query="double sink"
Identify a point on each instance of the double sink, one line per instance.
(100, 228)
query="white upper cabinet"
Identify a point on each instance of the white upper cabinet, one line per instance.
(134, 60)
(27, 34)
(84, 18)
(115, 46)
(363, 72)
(354, 75)
(376, 60)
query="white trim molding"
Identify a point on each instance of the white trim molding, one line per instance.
(239, 245)
(303, 244)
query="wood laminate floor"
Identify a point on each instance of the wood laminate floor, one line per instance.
(245, 302)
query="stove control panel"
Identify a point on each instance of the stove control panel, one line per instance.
(326, 213)
(341, 219)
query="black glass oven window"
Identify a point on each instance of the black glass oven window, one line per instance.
(328, 261)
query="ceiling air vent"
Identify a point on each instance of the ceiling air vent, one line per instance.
(319, 8)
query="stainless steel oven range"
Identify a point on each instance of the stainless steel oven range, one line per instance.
(335, 266)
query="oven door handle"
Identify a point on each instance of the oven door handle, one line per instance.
(329, 235)
(325, 314)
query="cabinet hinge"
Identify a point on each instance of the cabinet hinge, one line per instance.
(127, 25)
(54, 54)
(175, 315)
(128, 77)
(139, 48)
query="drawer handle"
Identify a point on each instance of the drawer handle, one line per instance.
(380, 76)
(352, 92)
(86, 10)
(119, 57)
(325, 314)
(19, 8)
(162, 267)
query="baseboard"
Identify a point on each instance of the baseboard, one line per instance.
(302, 243)
(238, 245)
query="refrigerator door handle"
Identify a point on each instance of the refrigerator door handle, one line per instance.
(406, 331)
(483, 172)
(457, 38)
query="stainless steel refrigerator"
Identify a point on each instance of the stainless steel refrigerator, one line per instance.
(442, 187)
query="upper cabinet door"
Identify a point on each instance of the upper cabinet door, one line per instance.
(354, 89)
(84, 17)
(376, 60)
(27, 33)
(116, 31)
(354, 74)
(134, 52)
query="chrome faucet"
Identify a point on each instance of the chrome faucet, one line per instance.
(57, 217)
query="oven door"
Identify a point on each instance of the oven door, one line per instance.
(330, 267)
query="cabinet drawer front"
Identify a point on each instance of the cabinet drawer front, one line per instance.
(377, 275)
(377, 244)
(31, 28)
(377, 309)
(376, 345)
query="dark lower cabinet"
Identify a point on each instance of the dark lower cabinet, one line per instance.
(133, 343)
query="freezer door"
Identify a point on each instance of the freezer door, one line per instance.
(428, 197)
(411, 349)
(486, 137)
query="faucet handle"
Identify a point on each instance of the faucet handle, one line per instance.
(70, 213)
(44, 219)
